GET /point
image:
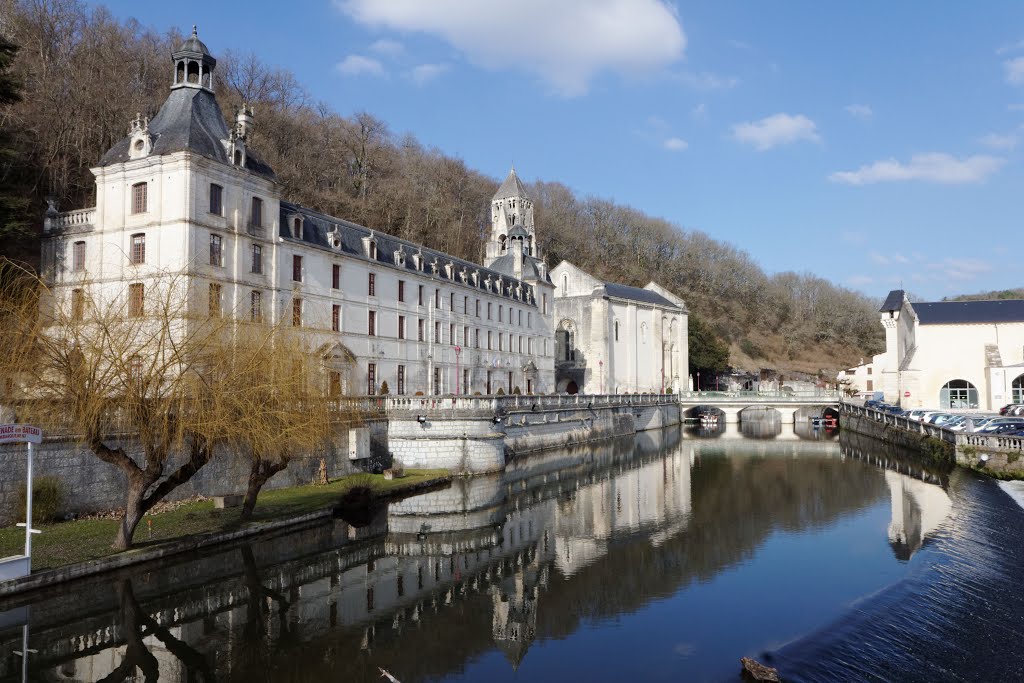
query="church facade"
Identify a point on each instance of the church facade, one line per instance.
(615, 339)
(184, 194)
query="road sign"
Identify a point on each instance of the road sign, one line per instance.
(20, 434)
(906, 394)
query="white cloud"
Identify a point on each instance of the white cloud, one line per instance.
(934, 168)
(961, 268)
(859, 111)
(1014, 71)
(358, 65)
(424, 73)
(777, 129)
(1012, 47)
(996, 141)
(706, 81)
(390, 48)
(565, 43)
(675, 144)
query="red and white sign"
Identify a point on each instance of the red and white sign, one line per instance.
(20, 434)
(906, 394)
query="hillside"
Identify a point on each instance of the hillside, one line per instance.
(989, 296)
(84, 75)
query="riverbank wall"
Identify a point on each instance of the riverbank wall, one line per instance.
(481, 435)
(996, 455)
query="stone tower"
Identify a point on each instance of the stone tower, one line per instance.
(511, 211)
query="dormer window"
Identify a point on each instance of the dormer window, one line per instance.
(417, 261)
(399, 257)
(297, 228)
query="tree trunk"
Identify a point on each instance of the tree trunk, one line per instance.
(134, 509)
(259, 473)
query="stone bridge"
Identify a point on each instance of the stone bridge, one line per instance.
(736, 405)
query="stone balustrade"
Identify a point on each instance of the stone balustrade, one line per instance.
(82, 218)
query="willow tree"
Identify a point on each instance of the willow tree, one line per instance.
(275, 400)
(129, 374)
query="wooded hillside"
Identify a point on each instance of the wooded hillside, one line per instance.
(82, 76)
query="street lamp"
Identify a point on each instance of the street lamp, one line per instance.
(458, 350)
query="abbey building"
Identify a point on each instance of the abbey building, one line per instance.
(186, 194)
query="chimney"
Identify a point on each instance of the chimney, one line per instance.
(244, 121)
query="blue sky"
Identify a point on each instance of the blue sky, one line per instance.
(873, 143)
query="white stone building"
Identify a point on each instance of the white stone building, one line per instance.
(614, 339)
(184, 194)
(951, 354)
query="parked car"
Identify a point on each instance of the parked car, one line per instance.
(1010, 406)
(917, 413)
(939, 418)
(874, 403)
(892, 410)
(1017, 411)
(1001, 425)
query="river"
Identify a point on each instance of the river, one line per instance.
(664, 557)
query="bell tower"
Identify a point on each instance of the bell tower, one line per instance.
(193, 64)
(511, 210)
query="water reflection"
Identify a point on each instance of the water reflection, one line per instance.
(489, 565)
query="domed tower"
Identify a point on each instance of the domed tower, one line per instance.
(193, 64)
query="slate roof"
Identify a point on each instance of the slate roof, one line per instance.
(893, 302)
(511, 187)
(190, 119)
(970, 312)
(506, 265)
(639, 294)
(316, 227)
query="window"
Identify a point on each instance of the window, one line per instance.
(296, 312)
(501, 341)
(437, 299)
(419, 330)
(335, 276)
(216, 250)
(401, 327)
(255, 306)
(489, 308)
(437, 332)
(488, 340)
(616, 330)
(333, 383)
(371, 382)
(256, 213)
(420, 299)
(544, 303)
(1017, 389)
(451, 302)
(520, 318)
(214, 300)
(77, 304)
(465, 336)
(958, 393)
(437, 381)
(465, 305)
(529, 345)
(869, 369)
(465, 380)
(529, 319)
(477, 337)
(335, 318)
(371, 285)
(140, 202)
(296, 268)
(501, 313)
(136, 299)
(401, 380)
(78, 257)
(216, 199)
(297, 228)
(520, 345)
(138, 250)
(371, 323)
(257, 259)
(451, 333)
(373, 249)
(401, 290)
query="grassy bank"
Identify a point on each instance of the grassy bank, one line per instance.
(71, 542)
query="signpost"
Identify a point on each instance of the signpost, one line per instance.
(21, 565)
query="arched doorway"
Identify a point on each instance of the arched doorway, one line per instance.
(571, 388)
(958, 394)
(1017, 389)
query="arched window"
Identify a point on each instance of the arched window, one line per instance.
(958, 393)
(193, 72)
(504, 243)
(1017, 389)
(565, 285)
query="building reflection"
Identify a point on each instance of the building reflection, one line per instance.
(491, 563)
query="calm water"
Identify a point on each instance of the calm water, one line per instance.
(664, 558)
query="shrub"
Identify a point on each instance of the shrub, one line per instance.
(668, 390)
(384, 390)
(500, 392)
(47, 501)
(517, 391)
(418, 393)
